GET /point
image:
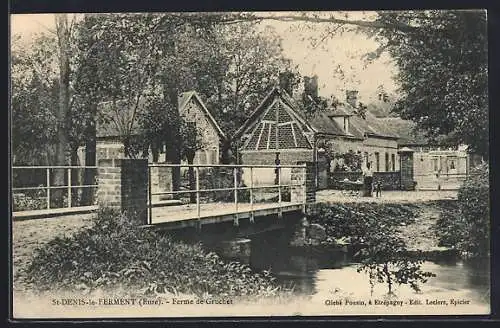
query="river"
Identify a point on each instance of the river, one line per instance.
(330, 275)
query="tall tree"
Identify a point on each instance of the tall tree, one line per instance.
(442, 58)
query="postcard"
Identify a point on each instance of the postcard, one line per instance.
(243, 164)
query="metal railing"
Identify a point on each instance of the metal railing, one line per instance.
(237, 185)
(48, 186)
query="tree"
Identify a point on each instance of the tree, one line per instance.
(443, 74)
(34, 97)
(442, 60)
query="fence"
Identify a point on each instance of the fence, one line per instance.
(52, 187)
(389, 180)
(215, 189)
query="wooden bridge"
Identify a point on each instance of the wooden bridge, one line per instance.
(250, 194)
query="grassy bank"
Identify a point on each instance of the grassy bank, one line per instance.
(115, 255)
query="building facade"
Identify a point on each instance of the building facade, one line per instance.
(280, 129)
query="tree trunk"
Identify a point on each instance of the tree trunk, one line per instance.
(173, 146)
(90, 160)
(75, 177)
(62, 113)
(192, 178)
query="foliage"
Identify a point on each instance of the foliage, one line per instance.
(349, 161)
(219, 178)
(34, 97)
(443, 72)
(372, 228)
(466, 227)
(29, 201)
(114, 253)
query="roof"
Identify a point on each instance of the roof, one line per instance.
(279, 127)
(321, 121)
(406, 130)
(120, 119)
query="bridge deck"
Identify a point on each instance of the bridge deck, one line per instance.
(174, 217)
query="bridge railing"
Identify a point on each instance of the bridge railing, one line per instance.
(235, 185)
(52, 187)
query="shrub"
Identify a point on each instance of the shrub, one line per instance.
(352, 220)
(467, 226)
(31, 200)
(372, 228)
(218, 178)
(114, 254)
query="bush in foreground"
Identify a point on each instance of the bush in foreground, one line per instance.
(113, 254)
(467, 226)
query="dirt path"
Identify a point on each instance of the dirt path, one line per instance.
(27, 235)
(420, 235)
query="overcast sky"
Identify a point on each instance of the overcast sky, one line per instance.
(346, 50)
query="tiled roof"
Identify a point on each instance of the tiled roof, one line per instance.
(321, 121)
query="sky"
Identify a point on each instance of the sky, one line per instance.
(323, 60)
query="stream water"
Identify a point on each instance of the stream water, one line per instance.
(325, 275)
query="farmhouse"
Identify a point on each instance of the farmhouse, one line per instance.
(122, 120)
(280, 128)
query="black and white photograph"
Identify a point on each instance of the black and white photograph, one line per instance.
(249, 164)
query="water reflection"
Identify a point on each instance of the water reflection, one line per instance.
(325, 274)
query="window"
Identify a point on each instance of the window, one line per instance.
(452, 163)
(377, 162)
(393, 161)
(435, 164)
(387, 162)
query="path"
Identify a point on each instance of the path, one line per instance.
(387, 196)
(27, 235)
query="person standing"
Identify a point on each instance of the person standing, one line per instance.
(368, 180)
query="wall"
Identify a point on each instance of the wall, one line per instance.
(440, 169)
(210, 138)
(389, 180)
(370, 145)
(266, 176)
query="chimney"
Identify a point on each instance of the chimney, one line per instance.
(311, 86)
(285, 81)
(352, 97)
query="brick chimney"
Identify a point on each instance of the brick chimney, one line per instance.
(311, 86)
(285, 82)
(352, 97)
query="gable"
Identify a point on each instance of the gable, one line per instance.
(277, 127)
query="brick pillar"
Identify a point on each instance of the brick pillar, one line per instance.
(298, 176)
(123, 185)
(406, 157)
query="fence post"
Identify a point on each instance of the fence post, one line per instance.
(48, 187)
(235, 176)
(251, 195)
(150, 197)
(198, 195)
(280, 212)
(69, 187)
